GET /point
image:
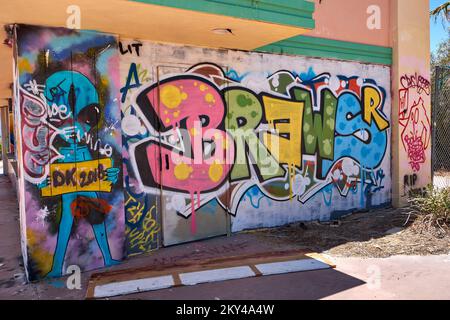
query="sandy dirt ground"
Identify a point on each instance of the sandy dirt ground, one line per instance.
(375, 234)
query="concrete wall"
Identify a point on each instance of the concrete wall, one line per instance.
(333, 135)
(208, 141)
(411, 116)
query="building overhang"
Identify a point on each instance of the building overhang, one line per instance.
(253, 24)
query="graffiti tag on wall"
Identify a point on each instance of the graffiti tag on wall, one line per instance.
(414, 118)
(71, 149)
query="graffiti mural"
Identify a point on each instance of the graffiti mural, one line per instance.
(142, 226)
(255, 143)
(132, 145)
(71, 147)
(414, 119)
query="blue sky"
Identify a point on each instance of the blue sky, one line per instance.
(437, 30)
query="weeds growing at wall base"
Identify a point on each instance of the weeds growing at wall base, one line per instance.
(432, 210)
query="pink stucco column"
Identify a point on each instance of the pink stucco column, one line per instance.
(411, 93)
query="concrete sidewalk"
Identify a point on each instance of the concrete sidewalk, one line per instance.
(391, 278)
(398, 277)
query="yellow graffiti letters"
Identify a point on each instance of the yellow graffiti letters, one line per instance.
(286, 118)
(371, 104)
(78, 176)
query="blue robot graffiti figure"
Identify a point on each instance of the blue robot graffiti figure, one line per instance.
(76, 92)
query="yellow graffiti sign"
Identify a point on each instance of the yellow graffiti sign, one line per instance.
(78, 176)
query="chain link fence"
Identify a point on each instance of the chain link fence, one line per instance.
(440, 102)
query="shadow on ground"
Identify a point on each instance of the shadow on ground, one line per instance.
(311, 285)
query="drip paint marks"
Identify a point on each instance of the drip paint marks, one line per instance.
(67, 97)
(268, 147)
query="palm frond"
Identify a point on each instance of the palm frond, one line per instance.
(442, 10)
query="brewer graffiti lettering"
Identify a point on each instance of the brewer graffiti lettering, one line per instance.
(210, 129)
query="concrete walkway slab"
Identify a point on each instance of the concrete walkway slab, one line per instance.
(121, 288)
(291, 266)
(133, 286)
(192, 272)
(215, 275)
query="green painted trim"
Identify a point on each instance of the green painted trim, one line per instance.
(297, 13)
(326, 48)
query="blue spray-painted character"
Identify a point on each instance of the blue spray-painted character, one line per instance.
(78, 94)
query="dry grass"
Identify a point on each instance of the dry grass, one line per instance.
(432, 211)
(379, 233)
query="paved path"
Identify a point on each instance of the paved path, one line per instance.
(399, 277)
